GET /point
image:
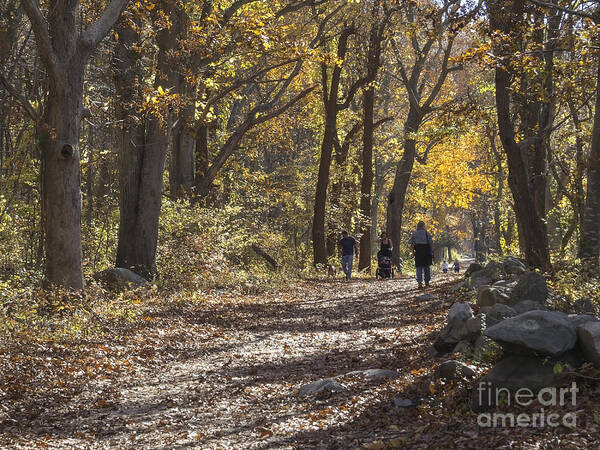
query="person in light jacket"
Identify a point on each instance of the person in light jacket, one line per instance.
(422, 245)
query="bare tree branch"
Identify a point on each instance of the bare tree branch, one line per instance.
(352, 92)
(382, 121)
(442, 76)
(297, 6)
(20, 99)
(229, 12)
(285, 106)
(595, 16)
(42, 37)
(91, 37)
(266, 106)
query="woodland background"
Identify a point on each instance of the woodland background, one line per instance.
(199, 128)
(170, 137)
(217, 148)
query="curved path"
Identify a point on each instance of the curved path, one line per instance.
(225, 373)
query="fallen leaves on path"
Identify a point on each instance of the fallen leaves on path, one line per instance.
(225, 372)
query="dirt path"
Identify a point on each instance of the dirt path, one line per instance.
(226, 374)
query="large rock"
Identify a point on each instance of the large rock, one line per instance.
(479, 279)
(475, 326)
(426, 298)
(497, 313)
(495, 270)
(459, 327)
(528, 305)
(512, 373)
(488, 296)
(460, 311)
(589, 341)
(580, 319)
(463, 285)
(403, 402)
(513, 266)
(543, 332)
(506, 285)
(375, 374)
(316, 387)
(120, 277)
(491, 273)
(452, 370)
(531, 286)
(473, 267)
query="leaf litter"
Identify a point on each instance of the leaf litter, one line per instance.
(226, 372)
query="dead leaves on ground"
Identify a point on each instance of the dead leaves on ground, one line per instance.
(221, 371)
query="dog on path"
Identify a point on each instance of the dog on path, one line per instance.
(331, 271)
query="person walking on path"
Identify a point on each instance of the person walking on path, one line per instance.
(386, 245)
(456, 266)
(348, 247)
(422, 245)
(445, 266)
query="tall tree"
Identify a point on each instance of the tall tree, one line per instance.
(527, 159)
(332, 106)
(143, 141)
(589, 244)
(373, 63)
(64, 51)
(440, 26)
(249, 63)
(590, 232)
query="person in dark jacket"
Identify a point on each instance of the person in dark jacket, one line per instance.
(347, 246)
(386, 245)
(456, 266)
(422, 245)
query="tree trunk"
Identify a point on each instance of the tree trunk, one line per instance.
(182, 170)
(331, 107)
(202, 157)
(366, 183)
(89, 182)
(397, 195)
(525, 177)
(318, 228)
(377, 191)
(61, 191)
(182, 166)
(131, 145)
(590, 239)
(142, 155)
(499, 192)
(64, 53)
(578, 175)
(479, 239)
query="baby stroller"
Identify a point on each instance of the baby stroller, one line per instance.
(384, 265)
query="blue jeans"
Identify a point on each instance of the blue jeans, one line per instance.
(420, 270)
(347, 265)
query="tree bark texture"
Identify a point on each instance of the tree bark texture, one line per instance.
(526, 160)
(330, 100)
(64, 51)
(143, 149)
(590, 230)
